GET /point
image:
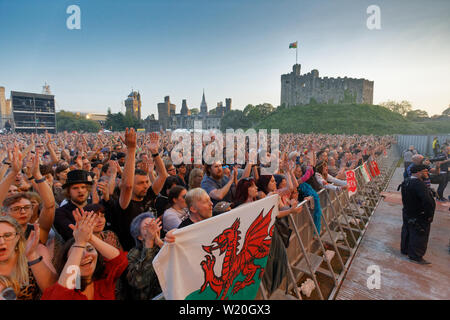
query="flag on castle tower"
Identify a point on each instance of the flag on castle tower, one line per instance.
(293, 45)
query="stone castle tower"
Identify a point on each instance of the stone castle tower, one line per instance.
(165, 111)
(297, 89)
(133, 104)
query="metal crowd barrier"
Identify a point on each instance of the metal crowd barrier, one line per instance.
(344, 222)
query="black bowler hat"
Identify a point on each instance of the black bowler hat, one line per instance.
(77, 176)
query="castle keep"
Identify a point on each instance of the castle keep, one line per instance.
(297, 89)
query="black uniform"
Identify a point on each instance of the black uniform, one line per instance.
(418, 212)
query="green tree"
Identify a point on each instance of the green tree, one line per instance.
(256, 113)
(399, 107)
(194, 111)
(234, 119)
(119, 121)
(417, 115)
(68, 121)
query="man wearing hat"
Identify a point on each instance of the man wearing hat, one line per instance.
(418, 212)
(76, 189)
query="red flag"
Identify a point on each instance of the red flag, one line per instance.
(351, 182)
(375, 167)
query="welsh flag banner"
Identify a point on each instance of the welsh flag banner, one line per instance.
(293, 45)
(365, 172)
(351, 182)
(219, 258)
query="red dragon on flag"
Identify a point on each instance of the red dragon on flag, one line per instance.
(256, 246)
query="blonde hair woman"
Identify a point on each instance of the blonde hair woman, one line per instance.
(24, 261)
(195, 178)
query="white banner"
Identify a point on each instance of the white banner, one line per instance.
(222, 257)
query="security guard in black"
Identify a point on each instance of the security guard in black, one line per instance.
(418, 213)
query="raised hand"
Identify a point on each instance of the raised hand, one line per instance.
(96, 171)
(147, 164)
(79, 162)
(16, 159)
(32, 243)
(155, 227)
(154, 143)
(151, 231)
(103, 187)
(130, 138)
(35, 171)
(235, 174)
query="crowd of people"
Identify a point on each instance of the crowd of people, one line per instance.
(102, 205)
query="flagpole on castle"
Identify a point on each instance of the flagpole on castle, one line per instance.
(296, 50)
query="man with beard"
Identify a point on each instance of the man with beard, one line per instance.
(137, 193)
(217, 185)
(418, 212)
(76, 189)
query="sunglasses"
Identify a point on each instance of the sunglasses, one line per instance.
(8, 294)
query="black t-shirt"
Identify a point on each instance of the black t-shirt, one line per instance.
(444, 166)
(185, 223)
(64, 217)
(121, 218)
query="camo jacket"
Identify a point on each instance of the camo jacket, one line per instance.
(141, 275)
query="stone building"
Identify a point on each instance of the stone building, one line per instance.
(169, 119)
(297, 89)
(133, 104)
(5, 109)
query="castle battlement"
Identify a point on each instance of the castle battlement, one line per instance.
(298, 89)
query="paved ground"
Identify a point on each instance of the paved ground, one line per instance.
(400, 278)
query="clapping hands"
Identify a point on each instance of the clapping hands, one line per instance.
(151, 232)
(84, 227)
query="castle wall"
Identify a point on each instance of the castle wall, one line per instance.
(299, 89)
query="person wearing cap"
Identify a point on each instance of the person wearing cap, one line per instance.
(418, 212)
(77, 189)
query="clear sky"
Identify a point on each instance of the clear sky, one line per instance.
(232, 48)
